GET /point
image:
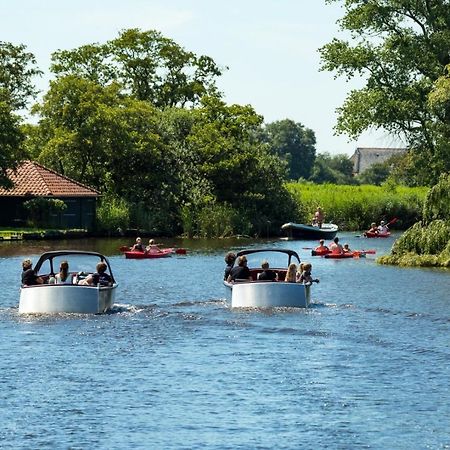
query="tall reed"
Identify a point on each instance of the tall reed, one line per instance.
(355, 207)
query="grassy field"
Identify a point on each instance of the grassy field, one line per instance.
(355, 207)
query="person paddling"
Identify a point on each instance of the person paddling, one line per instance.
(322, 248)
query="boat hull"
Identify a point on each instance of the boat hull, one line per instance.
(164, 253)
(66, 298)
(368, 234)
(308, 232)
(266, 294)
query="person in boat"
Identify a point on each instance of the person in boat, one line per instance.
(346, 249)
(322, 248)
(63, 277)
(383, 228)
(152, 247)
(138, 246)
(318, 217)
(29, 277)
(291, 273)
(267, 274)
(98, 278)
(304, 274)
(241, 271)
(335, 247)
(230, 258)
(373, 228)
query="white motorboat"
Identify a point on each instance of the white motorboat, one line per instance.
(48, 298)
(263, 294)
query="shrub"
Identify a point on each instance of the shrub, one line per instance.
(113, 214)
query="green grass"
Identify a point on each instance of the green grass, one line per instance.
(355, 207)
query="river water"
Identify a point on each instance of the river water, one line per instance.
(174, 367)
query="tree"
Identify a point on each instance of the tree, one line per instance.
(294, 143)
(11, 140)
(376, 174)
(17, 68)
(16, 71)
(337, 169)
(147, 65)
(400, 48)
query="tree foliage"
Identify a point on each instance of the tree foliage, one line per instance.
(400, 48)
(294, 143)
(147, 65)
(336, 169)
(17, 70)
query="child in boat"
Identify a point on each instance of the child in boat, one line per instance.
(138, 246)
(346, 249)
(267, 274)
(304, 274)
(291, 273)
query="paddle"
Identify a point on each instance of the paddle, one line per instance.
(358, 253)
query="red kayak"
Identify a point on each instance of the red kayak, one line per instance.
(165, 252)
(320, 252)
(339, 255)
(371, 234)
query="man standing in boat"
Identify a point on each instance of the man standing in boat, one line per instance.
(318, 218)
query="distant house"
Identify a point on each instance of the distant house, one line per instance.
(365, 157)
(32, 180)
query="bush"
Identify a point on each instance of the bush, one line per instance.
(113, 214)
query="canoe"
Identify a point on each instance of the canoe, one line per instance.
(369, 234)
(320, 252)
(302, 231)
(339, 255)
(164, 253)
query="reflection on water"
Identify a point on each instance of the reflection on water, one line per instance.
(173, 366)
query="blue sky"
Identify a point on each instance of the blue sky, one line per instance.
(269, 46)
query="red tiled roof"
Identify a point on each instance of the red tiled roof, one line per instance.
(32, 179)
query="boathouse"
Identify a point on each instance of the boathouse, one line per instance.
(32, 180)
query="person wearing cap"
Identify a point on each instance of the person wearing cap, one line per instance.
(29, 277)
(373, 228)
(322, 248)
(138, 247)
(152, 247)
(383, 228)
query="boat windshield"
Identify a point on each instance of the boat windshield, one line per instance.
(77, 263)
(275, 259)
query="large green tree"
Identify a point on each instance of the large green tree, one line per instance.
(148, 65)
(294, 143)
(400, 48)
(17, 69)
